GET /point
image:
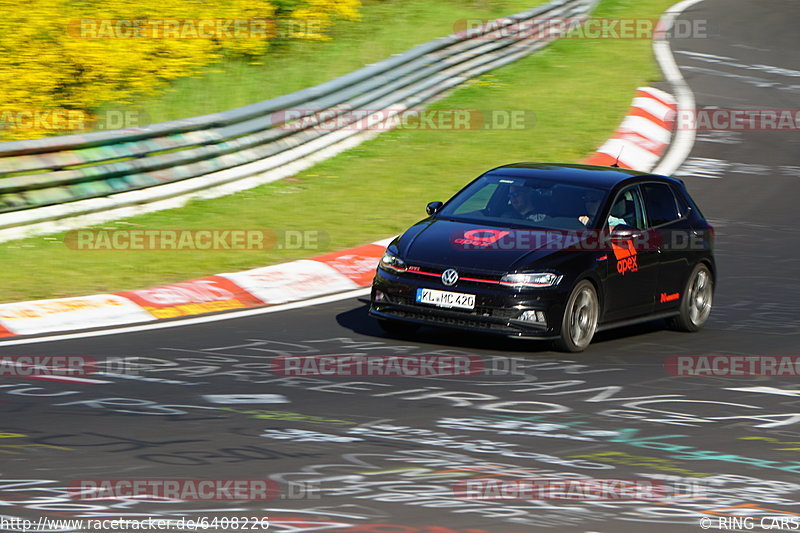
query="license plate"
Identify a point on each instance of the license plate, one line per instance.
(446, 299)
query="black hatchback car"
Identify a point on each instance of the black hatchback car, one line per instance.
(551, 251)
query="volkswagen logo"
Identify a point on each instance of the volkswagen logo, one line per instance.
(449, 277)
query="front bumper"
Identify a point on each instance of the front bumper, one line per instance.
(496, 311)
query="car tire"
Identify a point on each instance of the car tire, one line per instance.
(697, 299)
(396, 327)
(579, 322)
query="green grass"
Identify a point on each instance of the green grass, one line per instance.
(578, 89)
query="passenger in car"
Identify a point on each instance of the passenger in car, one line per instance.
(592, 203)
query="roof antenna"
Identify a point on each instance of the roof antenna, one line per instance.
(616, 162)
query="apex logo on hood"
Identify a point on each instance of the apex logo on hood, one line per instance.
(481, 237)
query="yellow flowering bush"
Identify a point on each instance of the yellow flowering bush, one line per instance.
(317, 15)
(71, 57)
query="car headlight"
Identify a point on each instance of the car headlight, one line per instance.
(390, 261)
(534, 279)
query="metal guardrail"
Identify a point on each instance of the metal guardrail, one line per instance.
(65, 177)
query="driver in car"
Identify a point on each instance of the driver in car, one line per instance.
(523, 202)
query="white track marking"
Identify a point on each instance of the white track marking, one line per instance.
(768, 390)
(246, 398)
(683, 142)
(193, 320)
(70, 379)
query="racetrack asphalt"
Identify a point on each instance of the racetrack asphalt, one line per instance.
(385, 454)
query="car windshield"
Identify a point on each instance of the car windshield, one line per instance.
(526, 202)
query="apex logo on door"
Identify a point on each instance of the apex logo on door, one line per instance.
(627, 257)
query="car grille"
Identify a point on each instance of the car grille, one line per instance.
(467, 320)
(466, 278)
(495, 312)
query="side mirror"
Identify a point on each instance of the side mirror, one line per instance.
(623, 235)
(623, 232)
(433, 207)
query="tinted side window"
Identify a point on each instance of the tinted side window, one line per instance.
(627, 209)
(660, 203)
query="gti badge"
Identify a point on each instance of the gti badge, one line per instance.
(449, 277)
